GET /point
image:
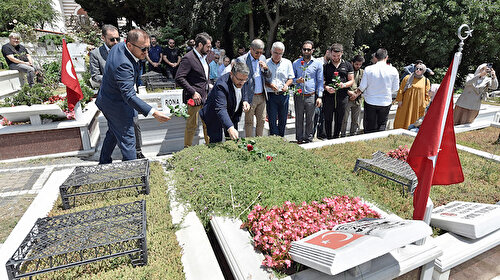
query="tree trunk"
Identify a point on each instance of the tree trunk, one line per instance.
(251, 31)
(273, 25)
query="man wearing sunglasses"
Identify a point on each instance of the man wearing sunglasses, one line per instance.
(117, 97)
(259, 72)
(97, 57)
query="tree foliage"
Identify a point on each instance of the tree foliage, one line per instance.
(427, 30)
(33, 13)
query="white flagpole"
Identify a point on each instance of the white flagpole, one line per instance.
(449, 92)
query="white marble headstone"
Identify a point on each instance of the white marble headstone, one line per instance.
(352, 244)
(469, 219)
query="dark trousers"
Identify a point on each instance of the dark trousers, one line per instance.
(334, 111)
(277, 113)
(319, 123)
(170, 72)
(375, 117)
(120, 132)
(138, 136)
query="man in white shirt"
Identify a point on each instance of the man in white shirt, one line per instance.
(377, 85)
(277, 87)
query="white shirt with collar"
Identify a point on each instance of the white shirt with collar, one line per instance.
(151, 112)
(378, 84)
(203, 62)
(237, 92)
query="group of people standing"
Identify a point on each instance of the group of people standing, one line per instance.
(326, 91)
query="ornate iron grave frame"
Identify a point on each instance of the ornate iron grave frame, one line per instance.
(83, 237)
(91, 176)
(393, 169)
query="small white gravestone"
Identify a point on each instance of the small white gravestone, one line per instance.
(469, 219)
(171, 97)
(352, 244)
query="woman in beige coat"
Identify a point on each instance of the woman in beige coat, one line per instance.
(476, 85)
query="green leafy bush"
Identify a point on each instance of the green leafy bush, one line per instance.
(52, 74)
(30, 95)
(56, 39)
(228, 180)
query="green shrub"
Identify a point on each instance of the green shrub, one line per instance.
(3, 63)
(225, 179)
(30, 95)
(56, 39)
(52, 74)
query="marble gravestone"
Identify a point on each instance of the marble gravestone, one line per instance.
(468, 219)
(352, 244)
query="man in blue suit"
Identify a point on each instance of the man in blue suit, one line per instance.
(117, 97)
(225, 103)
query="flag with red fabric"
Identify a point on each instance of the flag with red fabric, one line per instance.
(433, 155)
(69, 79)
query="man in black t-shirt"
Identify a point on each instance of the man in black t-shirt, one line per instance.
(18, 58)
(335, 96)
(172, 58)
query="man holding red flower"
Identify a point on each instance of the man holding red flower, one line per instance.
(308, 74)
(339, 77)
(193, 77)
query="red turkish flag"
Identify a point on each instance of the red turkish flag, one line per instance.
(436, 136)
(69, 79)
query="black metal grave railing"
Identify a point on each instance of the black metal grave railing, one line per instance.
(85, 180)
(83, 237)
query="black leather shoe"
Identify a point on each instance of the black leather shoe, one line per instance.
(140, 155)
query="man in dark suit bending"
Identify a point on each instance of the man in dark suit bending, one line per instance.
(117, 97)
(192, 76)
(225, 103)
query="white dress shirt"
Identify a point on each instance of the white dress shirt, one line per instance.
(378, 83)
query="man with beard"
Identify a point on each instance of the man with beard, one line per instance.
(335, 99)
(154, 56)
(172, 58)
(354, 105)
(308, 74)
(225, 103)
(193, 77)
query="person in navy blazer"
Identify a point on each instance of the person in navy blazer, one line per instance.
(117, 97)
(225, 103)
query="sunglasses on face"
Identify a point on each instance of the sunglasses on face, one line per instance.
(306, 50)
(145, 49)
(117, 39)
(420, 69)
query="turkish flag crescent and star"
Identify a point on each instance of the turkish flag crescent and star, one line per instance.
(68, 78)
(432, 140)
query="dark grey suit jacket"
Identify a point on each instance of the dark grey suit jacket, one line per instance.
(191, 77)
(97, 60)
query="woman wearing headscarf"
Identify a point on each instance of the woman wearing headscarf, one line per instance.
(476, 85)
(412, 98)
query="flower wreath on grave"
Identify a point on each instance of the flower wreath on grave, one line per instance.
(400, 153)
(274, 229)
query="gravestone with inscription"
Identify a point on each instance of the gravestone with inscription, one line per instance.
(352, 244)
(469, 219)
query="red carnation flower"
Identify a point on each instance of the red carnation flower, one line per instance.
(249, 147)
(336, 73)
(299, 90)
(302, 62)
(191, 102)
(269, 158)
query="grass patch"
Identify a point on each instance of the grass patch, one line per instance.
(205, 175)
(482, 179)
(164, 253)
(13, 209)
(481, 139)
